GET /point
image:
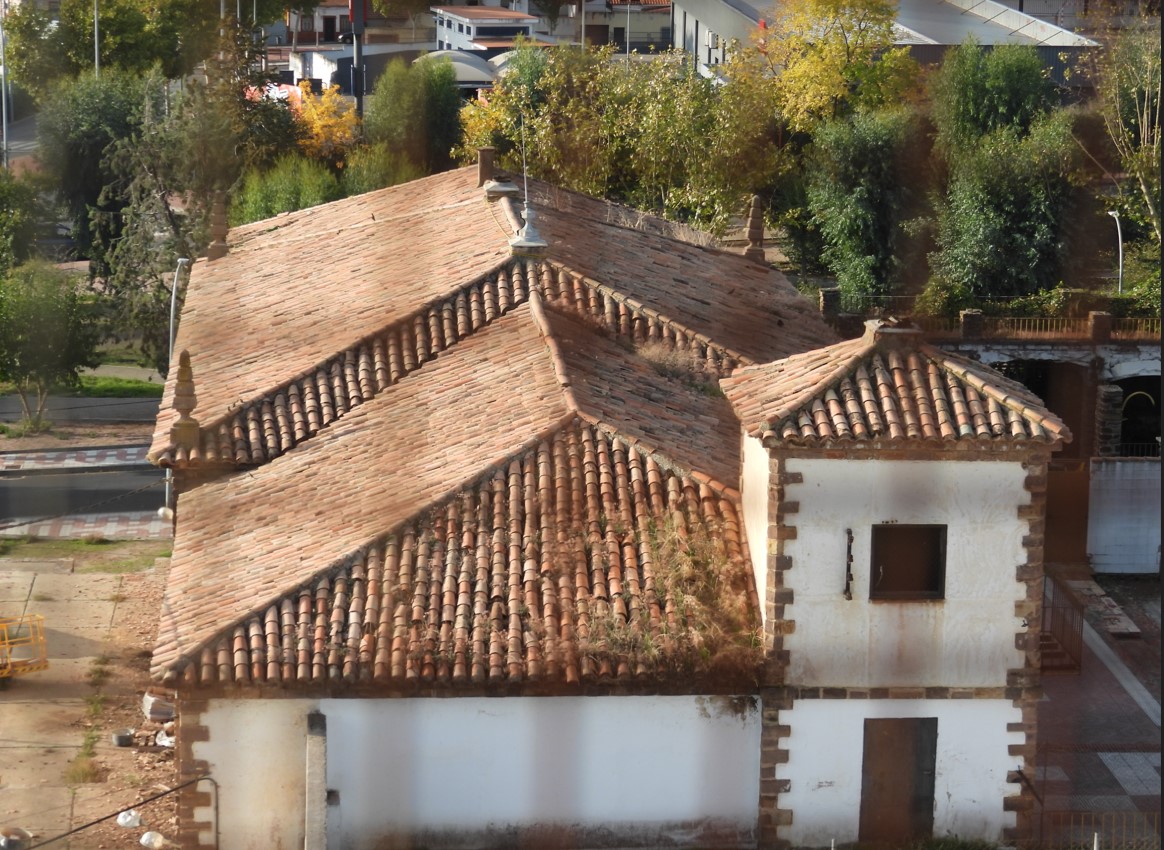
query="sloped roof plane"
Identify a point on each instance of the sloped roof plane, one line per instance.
(887, 386)
(573, 462)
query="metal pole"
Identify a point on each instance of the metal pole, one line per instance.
(168, 506)
(4, 90)
(96, 41)
(358, 27)
(1120, 238)
(628, 5)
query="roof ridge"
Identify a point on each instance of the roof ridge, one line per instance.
(1008, 401)
(649, 312)
(491, 309)
(835, 373)
(556, 357)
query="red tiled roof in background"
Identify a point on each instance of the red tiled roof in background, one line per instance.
(395, 458)
(888, 385)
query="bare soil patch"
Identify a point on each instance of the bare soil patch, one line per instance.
(81, 435)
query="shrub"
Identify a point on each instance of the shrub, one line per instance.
(293, 183)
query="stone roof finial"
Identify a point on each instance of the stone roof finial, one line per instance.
(218, 227)
(184, 431)
(755, 249)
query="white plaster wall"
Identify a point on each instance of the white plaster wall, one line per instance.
(464, 766)
(754, 495)
(256, 754)
(826, 749)
(964, 640)
(1123, 520)
(460, 765)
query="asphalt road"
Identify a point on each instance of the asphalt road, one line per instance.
(64, 493)
(60, 409)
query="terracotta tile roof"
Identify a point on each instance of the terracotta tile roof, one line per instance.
(415, 542)
(260, 394)
(652, 399)
(289, 413)
(298, 289)
(888, 385)
(743, 306)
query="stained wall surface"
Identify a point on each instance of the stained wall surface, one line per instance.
(966, 639)
(660, 770)
(826, 748)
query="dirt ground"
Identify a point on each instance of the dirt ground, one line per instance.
(62, 769)
(81, 435)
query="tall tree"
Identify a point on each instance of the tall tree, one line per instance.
(415, 109)
(1005, 222)
(977, 91)
(832, 56)
(864, 186)
(47, 335)
(81, 119)
(1128, 81)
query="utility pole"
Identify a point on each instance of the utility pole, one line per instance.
(356, 14)
(4, 83)
(96, 42)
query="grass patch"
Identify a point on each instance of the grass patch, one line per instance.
(94, 705)
(97, 386)
(98, 675)
(82, 770)
(91, 555)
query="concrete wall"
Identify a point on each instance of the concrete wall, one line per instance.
(470, 771)
(754, 495)
(1123, 524)
(826, 748)
(966, 639)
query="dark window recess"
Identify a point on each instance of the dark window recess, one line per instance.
(502, 32)
(909, 562)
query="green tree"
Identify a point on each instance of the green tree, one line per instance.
(977, 91)
(80, 121)
(655, 134)
(832, 56)
(47, 335)
(864, 185)
(377, 166)
(166, 177)
(17, 221)
(1128, 80)
(293, 183)
(415, 109)
(1006, 219)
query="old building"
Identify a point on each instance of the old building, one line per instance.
(576, 529)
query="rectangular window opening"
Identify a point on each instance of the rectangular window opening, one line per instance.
(909, 562)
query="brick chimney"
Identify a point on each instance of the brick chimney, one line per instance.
(485, 168)
(755, 249)
(218, 227)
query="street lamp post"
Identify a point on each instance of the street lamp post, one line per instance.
(4, 83)
(166, 511)
(1120, 239)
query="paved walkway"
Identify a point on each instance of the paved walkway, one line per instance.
(1099, 751)
(133, 525)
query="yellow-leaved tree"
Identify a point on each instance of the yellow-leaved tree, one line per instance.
(331, 126)
(833, 56)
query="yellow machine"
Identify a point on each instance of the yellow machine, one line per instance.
(22, 646)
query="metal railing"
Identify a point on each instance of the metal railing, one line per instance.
(1139, 450)
(1135, 329)
(1034, 327)
(1062, 627)
(1108, 830)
